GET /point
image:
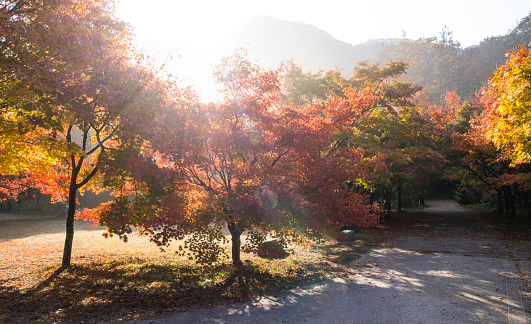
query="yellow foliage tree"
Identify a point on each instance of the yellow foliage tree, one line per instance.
(509, 118)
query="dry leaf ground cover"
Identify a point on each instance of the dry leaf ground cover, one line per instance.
(112, 280)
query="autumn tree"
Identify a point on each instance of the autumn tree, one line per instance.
(479, 165)
(482, 171)
(75, 95)
(392, 127)
(506, 123)
(249, 163)
(490, 52)
(509, 118)
(303, 88)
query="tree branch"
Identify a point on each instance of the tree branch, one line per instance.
(87, 179)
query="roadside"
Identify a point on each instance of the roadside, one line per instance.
(111, 280)
(517, 239)
(449, 269)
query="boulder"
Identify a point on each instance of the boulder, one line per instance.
(272, 248)
(347, 235)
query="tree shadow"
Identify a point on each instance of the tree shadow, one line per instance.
(48, 280)
(102, 292)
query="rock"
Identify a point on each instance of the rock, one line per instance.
(272, 248)
(347, 235)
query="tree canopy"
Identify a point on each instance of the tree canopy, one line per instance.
(75, 95)
(253, 164)
(285, 152)
(510, 116)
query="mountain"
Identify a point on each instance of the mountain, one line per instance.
(273, 40)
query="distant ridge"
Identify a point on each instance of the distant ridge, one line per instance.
(273, 40)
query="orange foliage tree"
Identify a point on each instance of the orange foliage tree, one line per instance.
(481, 170)
(249, 163)
(75, 96)
(510, 115)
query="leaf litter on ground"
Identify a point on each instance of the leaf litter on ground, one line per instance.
(113, 281)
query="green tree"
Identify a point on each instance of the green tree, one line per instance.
(433, 62)
(391, 129)
(299, 88)
(397, 131)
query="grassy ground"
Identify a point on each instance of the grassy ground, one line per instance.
(112, 281)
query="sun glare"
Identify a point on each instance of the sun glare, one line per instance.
(196, 34)
(191, 36)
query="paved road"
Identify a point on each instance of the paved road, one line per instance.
(452, 271)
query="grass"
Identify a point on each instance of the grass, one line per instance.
(118, 288)
(125, 289)
(113, 281)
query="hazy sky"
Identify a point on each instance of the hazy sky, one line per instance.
(347, 20)
(195, 28)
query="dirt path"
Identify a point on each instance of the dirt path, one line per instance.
(451, 270)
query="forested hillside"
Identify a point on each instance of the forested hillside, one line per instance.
(273, 41)
(438, 62)
(441, 65)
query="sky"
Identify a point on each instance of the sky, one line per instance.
(192, 31)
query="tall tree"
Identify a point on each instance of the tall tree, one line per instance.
(74, 92)
(253, 164)
(509, 117)
(299, 88)
(391, 128)
(433, 62)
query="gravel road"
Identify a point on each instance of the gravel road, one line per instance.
(452, 271)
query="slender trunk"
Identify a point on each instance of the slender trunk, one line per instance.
(399, 188)
(507, 203)
(510, 207)
(519, 197)
(500, 202)
(528, 208)
(236, 244)
(513, 207)
(67, 251)
(388, 210)
(388, 204)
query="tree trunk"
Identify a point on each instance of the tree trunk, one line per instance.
(510, 207)
(388, 210)
(236, 244)
(388, 192)
(528, 208)
(507, 203)
(500, 202)
(72, 190)
(399, 188)
(513, 207)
